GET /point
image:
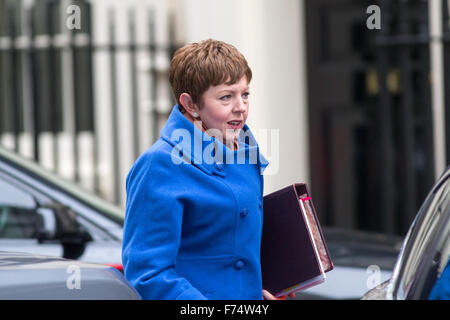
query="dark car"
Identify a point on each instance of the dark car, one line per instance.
(26, 276)
(43, 214)
(425, 251)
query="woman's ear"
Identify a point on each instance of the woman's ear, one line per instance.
(189, 105)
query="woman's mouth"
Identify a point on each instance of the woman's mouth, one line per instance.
(235, 124)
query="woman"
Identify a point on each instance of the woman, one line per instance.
(194, 199)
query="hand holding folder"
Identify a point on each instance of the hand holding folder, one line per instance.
(268, 296)
(294, 255)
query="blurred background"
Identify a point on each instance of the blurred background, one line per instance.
(358, 113)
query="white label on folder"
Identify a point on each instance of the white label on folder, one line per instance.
(312, 237)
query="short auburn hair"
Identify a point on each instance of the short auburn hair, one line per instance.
(199, 65)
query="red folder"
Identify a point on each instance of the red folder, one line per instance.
(294, 254)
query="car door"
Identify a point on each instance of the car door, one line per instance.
(428, 246)
(25, 220)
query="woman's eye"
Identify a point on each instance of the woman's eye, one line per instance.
(225, 98)
(245, 95)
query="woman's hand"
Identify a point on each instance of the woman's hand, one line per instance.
(268, 296)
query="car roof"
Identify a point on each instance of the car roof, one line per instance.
(68, 187)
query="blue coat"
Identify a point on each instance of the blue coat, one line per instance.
(441, 288)
(193, 219)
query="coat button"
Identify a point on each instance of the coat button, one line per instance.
(260, 205)
(244, 212)
(239, 265)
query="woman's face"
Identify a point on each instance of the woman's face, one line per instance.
(224, 108)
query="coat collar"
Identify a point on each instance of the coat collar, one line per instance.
(204, 151)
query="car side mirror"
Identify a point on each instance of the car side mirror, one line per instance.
(72, 236)
(45, 226)
(59, 223)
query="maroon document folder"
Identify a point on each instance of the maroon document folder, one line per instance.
(294, 254)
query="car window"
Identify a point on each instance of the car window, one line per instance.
(429, 240)
(100, 205)
(18, 218)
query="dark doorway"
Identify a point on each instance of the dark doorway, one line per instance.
(369, 113)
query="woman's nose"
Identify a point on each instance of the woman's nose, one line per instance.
(240, 105)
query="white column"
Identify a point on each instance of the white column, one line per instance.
(437, 85)
(66, 139)
(103, 100)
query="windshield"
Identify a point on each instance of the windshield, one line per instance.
(425, 232)
(68, 187)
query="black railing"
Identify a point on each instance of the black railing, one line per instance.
(49, 110)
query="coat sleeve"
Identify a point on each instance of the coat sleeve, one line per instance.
(152, 231)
